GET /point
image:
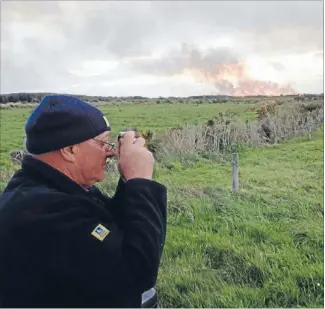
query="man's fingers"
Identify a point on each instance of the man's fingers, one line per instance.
(127, 138)
(140, 141)
(126, 141)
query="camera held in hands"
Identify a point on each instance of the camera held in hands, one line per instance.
(137, 134)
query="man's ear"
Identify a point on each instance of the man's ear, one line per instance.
(68, 153)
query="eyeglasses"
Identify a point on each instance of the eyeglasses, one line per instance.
(112, 145)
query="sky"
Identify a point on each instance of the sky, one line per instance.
(162, 48)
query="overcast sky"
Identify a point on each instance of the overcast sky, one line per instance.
(166, 48)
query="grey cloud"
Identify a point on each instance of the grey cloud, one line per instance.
(28, 77)
(106, 30)
(120, 30)
(244, 15)
(186, 57)
(28, 10)
(136, 28)
(278, 66)
(296, 39)
(40, 68)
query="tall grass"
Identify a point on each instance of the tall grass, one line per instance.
(220, 134)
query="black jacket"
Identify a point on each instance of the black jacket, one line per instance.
(49, 256)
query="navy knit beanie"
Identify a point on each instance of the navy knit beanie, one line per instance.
(60, 121)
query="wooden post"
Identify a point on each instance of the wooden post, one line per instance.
(235, 172)
(309, 132)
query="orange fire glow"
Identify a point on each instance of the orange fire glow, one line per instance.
(233, 79)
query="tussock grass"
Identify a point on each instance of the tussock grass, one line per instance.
(220, 134)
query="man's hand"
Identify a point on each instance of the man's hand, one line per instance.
(134, 160)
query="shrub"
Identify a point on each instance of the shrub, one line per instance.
(220, 134)
(312, 106)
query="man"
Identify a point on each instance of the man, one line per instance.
(62, 242)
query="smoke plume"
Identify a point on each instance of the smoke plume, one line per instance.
(234, 80)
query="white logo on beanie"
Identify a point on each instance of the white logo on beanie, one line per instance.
(106, 121)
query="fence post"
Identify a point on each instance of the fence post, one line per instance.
(309, 132)
(235, 171)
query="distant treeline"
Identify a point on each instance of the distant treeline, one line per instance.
(24, 97)
(37, 97)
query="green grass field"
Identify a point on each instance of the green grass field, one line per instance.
(260, 247)
(156, 117)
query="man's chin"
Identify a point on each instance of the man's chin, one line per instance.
(101, 175)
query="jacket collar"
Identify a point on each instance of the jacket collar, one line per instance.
(51, 176)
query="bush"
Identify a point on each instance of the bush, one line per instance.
(220, 134)
(313, 106)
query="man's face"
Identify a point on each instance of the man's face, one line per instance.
(91, 158)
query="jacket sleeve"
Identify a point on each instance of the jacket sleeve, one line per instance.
(128, 257)
(114, 204)
(119, 190)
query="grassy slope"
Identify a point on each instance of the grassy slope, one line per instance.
(260, 248)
